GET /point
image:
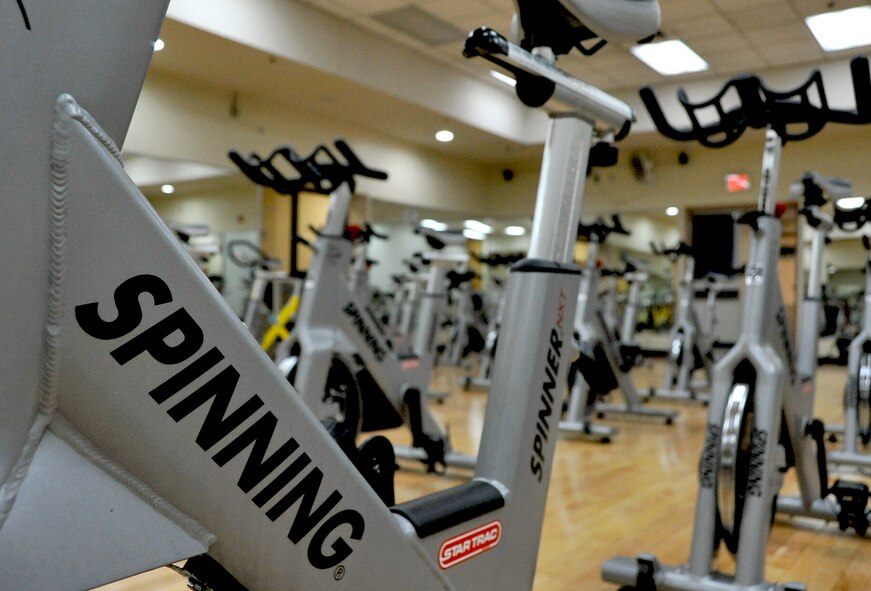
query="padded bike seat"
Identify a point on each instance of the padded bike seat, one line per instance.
(564, 24)
(617, 20)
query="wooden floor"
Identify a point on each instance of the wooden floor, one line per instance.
(634, 495)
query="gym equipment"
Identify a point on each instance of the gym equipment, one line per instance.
(140, 420)
(273, 296)
(466, 322)
(759, 415)
(485, 365)
(691, 347)
(359, 280)
(635, 274)
(855, 449)
(602, 365)
(345, 369)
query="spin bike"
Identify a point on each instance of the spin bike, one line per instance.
(759, 416)
(635, 274)
(273, 296)
(344, 367)
(603, 364)
(856, 446)
(485, 364)
(691, 347)
(141, 421)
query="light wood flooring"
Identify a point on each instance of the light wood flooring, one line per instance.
(636, 494)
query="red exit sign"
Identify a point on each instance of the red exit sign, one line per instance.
(736, 183)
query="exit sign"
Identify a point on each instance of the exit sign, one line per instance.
(736, 183)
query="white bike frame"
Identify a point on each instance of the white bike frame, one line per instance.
(141, 421)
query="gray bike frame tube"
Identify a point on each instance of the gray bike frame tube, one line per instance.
(430, 309)
(557, 203)
(765, 342)
(811, 307)
(630, 313)
(595, 104)
(849, 452)
(762, 308)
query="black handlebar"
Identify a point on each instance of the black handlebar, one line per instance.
(680, 249)
(601, 230)
(320, 172)
(456, 279)
(500, 259)
(792, 114)
(261, 259)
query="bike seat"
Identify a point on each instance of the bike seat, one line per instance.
(617, 20)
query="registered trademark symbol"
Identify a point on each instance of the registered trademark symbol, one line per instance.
(339, 573)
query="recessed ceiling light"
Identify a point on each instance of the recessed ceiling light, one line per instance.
(473, 235)
(167, 189)
(671, 211)
(503, 78)
(444, 135)
(433, 225)
(515, 231)
(670, 58)
(850, 202)
(841, 29)
(159, 44)
(477, 226)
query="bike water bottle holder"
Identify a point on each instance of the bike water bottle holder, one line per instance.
(794, 115)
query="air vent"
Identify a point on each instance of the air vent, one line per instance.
(420, 25)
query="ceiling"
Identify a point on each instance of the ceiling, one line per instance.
(733, 36)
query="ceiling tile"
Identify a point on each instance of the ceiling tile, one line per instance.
(809, 7)
(698, 27)
(742, 61)
(790, 52)
(682, 9)
(765, 17)
(376, 6)
(794, 33)
(420, 25)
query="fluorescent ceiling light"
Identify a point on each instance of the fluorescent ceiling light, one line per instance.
(477, 226)
(158, 45)
(850, 202)
(503, 78)
(433, 225)
(167, 189)
(671, 211)
(515, 231)
(841, 29)
(473, 235)
(444, 135)
(670, 58)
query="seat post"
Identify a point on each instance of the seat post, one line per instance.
(560, 190)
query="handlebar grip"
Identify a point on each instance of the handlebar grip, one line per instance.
(861, 88)
(659, 119)
(371, 233)
(355, 166)
(617, 226)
